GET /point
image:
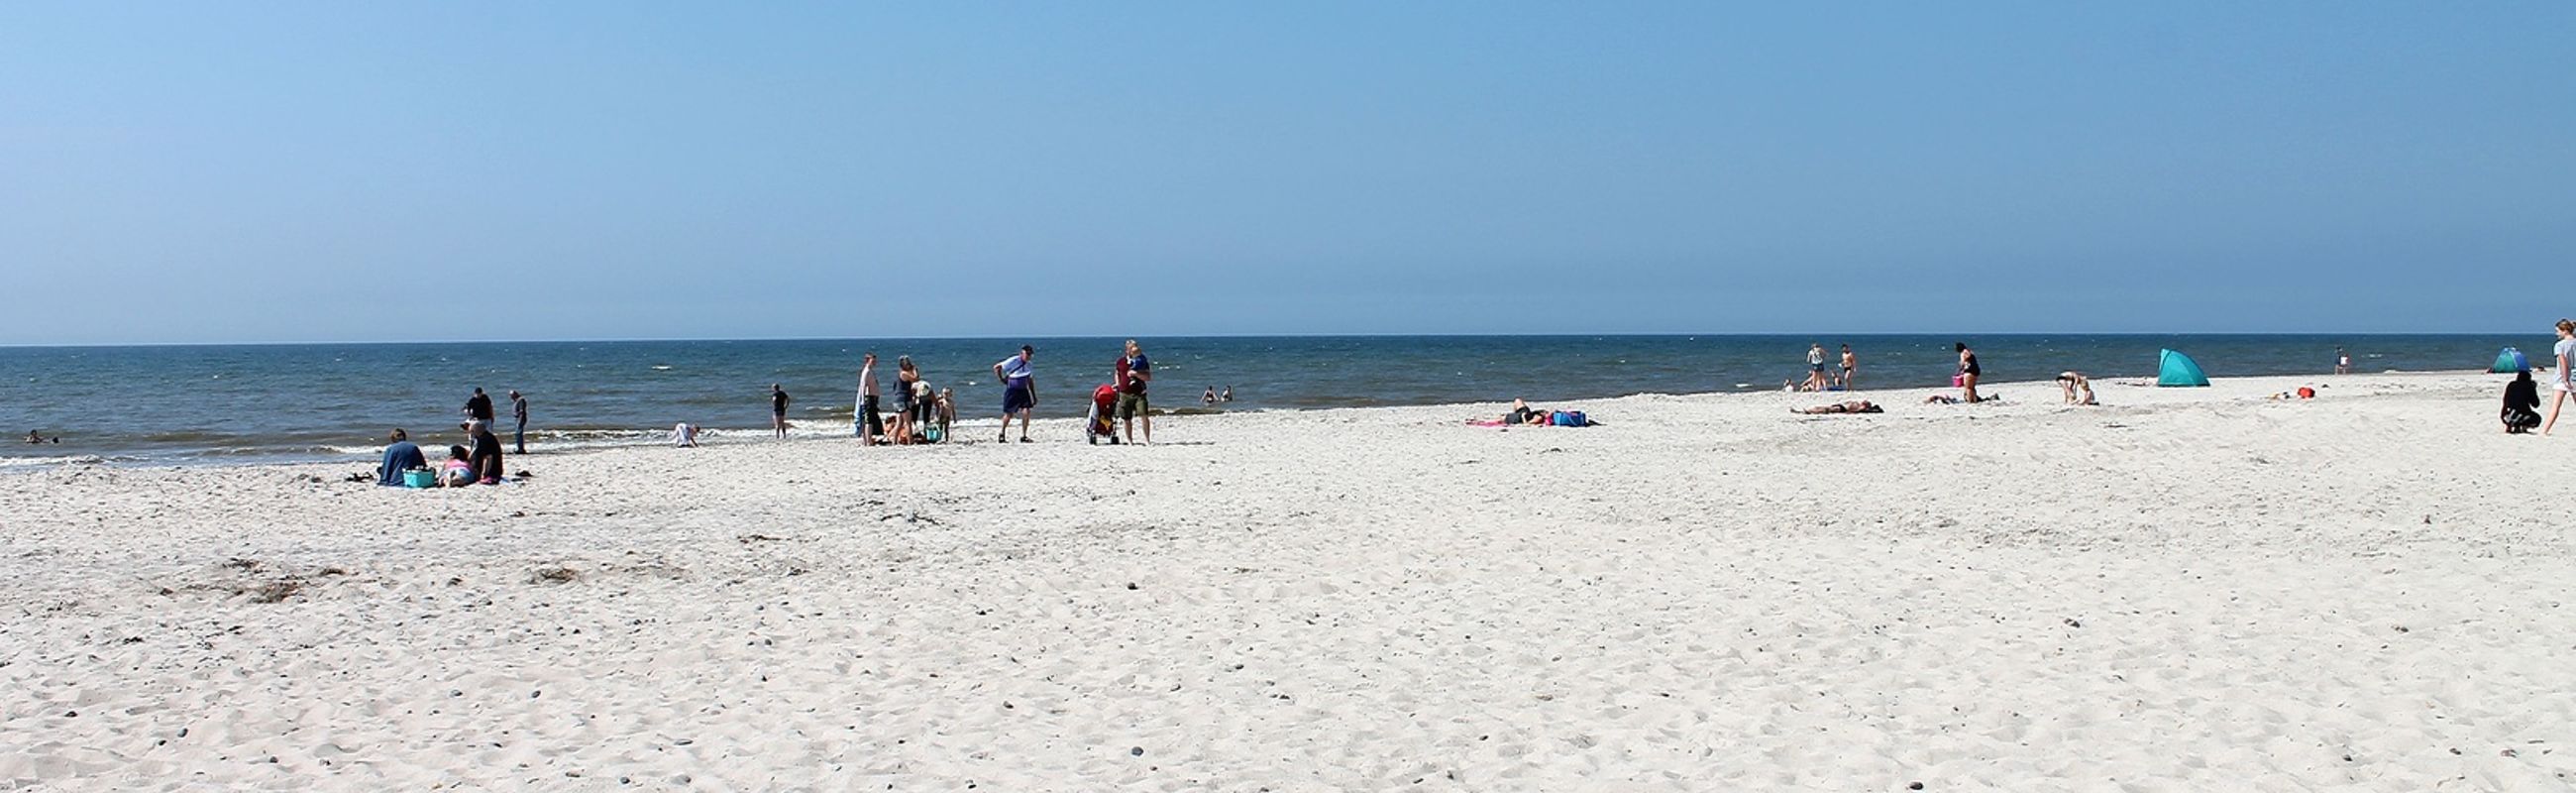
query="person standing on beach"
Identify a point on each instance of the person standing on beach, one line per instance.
(2343, 361)
(1968, 372)
(1019, 391)
(1135, 372)
(1815, 368)
(907, 405)
(778, 410)
(1848, 360)
(869, 425)
(2558, 380)
(478, 407)
(519, 412)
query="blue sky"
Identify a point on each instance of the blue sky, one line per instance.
(366, 172)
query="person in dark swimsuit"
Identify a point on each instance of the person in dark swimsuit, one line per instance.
(778, 410)
(1968, 372)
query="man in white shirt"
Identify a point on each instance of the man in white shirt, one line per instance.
(1019, 391)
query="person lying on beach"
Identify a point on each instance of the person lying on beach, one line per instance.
(456, 472)
(2521, 404)
(1522, 415)
(2078, 388)
(1854, 406)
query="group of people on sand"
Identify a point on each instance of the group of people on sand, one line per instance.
(2521, 413)
(478, 411)
(463, 467)
(1821, 379)
(2076, 388)
(922, 413)
(481, 463)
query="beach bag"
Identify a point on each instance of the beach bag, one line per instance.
(419, 478)
(932, 433)
(1568, 418)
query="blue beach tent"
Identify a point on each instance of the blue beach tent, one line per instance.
(2178, 369)
(2510, 360)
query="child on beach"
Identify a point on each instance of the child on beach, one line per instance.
(2078, 388)
(946, 412)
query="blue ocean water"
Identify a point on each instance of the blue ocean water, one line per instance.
(269, 403)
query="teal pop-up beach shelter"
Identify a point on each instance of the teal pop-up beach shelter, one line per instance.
(2178, 369)
(2510, 360)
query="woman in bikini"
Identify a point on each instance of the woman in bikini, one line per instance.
(1968, 372)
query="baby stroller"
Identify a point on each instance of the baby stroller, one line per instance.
(1101, 423)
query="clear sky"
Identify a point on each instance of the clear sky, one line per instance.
(213, 172)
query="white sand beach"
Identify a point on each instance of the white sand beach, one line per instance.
(2184, 590)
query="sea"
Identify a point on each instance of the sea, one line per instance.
(240, 404)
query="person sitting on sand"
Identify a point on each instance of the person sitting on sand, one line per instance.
(1854, 406)
(2521, 404)
(684, 435)
(2078, 388)
(486, 457)
(400, 455)
(456, 472)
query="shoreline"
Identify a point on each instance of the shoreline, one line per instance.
(837, 429)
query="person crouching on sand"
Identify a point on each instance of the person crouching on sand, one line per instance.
(2521, 404)
(2078, 388)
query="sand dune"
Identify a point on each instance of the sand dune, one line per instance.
(2187, 590)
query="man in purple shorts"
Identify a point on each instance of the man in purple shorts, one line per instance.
(1019, 391)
